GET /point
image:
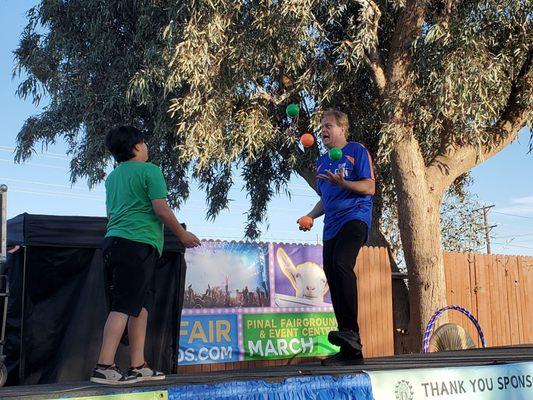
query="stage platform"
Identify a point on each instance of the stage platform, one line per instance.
(472, 372)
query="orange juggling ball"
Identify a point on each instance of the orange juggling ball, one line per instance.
(305, 222)
(307, 139)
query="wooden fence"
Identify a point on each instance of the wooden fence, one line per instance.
(497, 289)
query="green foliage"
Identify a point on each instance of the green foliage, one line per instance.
(82, 55)
(465, 62)
(209, 82)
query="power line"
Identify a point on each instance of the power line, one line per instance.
(240, 205)
(59, 194)
(186, 206)
(45, 184)
(527, 242)
(45, 154)
(512, 215)
(513, 236)
(23, 181)
(513, 245)
(32, 164)
(101, 199)
(59, 156)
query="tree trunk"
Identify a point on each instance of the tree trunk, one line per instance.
(419, 219)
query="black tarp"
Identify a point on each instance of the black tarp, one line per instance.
(66, 231)
(58, 305)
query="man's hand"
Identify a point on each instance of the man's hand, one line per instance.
(305, 223)
(335, 179)
(189, 239)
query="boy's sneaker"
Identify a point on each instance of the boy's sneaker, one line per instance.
(111, 375)
(145, 373)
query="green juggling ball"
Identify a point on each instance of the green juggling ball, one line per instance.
(335, 154)
(292, 110)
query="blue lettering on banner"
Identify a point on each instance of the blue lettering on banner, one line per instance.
(208, 339)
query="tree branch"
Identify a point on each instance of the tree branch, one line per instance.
(457, 159)
(373, 57)
(407, 28)
(397, 91)
(309, 174)
(373, 60)
(444, 19)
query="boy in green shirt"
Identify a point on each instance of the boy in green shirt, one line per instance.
(137, 209)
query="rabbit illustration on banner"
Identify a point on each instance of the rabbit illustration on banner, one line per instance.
(308, 280)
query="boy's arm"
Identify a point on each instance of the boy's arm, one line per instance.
(165, 214)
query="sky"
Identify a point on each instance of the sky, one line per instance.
(42, 186)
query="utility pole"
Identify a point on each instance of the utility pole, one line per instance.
(3, 222)
(486, 225)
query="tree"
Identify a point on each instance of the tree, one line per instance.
(462, 76)
(431, 87)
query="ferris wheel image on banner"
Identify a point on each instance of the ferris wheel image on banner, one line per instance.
(433, 320)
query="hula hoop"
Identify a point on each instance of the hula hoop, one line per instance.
(431, 324)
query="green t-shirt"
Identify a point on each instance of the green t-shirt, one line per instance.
(129, 191)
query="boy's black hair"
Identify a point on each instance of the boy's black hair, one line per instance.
(121, 140)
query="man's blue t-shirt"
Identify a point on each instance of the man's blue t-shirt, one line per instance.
(341, 205)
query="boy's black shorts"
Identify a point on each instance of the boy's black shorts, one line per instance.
(129, 267)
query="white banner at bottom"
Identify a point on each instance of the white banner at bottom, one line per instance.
(494, 382)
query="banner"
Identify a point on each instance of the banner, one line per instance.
(299, 277)
(250, 301)
(280, 335)
(494, 382)
(227, 274)
(208, 339)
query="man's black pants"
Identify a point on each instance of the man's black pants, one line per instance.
(339, 256)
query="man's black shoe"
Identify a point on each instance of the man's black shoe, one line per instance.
(343, 358)
(345, 339)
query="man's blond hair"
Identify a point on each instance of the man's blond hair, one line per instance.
(340, 117)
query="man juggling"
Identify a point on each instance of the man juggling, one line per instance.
(346, 186)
